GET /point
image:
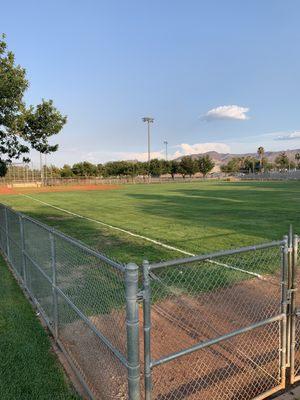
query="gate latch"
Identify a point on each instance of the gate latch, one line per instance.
(289, 294)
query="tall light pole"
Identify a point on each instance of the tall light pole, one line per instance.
(166, 144)
(149, 121)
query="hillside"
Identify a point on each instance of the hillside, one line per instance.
(223, 158)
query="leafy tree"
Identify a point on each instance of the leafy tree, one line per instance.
(205, 164)
(261, 152)
(66, 171)
(251, 164)
(174, 168)
(187, 166)
(297, 158)
(165, 166)
(22, 127)
(282, 160)
(142, 168)
(155, 167)
(292, 164)
(100, 170)
(232, 166)
(84, 168)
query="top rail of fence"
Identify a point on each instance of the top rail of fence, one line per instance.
(69, 239)
(209, 256)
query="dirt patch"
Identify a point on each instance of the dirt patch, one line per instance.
(50, 189)
(6, 190)
(240, 368)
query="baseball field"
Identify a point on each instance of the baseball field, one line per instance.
(162, 221)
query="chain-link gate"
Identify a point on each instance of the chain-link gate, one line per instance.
(216, 326)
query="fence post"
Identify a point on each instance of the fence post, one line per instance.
(132, 327)
(147, 330)
(7, 234)
(54, 282)
(289, 287)
(293, 307)
(284, 288)
(22, 238)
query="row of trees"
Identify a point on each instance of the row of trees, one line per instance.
(187, 166)
(261, 163)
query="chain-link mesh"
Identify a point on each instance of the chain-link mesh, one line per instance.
(81, 295)
(205, 300)
(239, 368)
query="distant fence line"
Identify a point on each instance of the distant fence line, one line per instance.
(35, 180)
(93, 180)
(274, 175)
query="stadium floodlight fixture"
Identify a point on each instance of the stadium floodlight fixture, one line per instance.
(149, 121)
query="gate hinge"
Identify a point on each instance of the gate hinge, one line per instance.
(297, 312)
(140, 295)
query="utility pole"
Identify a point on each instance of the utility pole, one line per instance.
(166, 144)
(149, 121)
(42, 168)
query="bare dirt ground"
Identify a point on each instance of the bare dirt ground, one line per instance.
(49, 189)
(240, 368)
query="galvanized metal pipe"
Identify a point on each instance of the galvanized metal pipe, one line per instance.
(54, 284)
(22, 237)
(132, 326)
(188, 260)
(147, 330)
(284, 322)
(207, 343)
(293, 307)
(7, 235)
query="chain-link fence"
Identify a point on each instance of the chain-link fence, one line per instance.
(216, 326)
(283, 175)
(83, 297)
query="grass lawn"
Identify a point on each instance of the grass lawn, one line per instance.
(28, 368)
(196, 217)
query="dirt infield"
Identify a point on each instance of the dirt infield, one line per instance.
(4, 190)
(240, 368)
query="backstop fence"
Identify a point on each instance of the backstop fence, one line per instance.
(217, 326)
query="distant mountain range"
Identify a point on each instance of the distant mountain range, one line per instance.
(223, 158)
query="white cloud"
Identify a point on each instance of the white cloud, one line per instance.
(227, 112)
(203, 148)
(182, 150)
(289, 136)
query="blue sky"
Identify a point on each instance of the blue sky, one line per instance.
(221, 75)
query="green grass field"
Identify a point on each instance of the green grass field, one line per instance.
(196, 217)
(28, 368)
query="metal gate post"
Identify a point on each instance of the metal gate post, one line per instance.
(22, 238)
(132, 327)
(288, 294)
(147, 330)
(293, 307)
(54, 283)
(283, 330)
